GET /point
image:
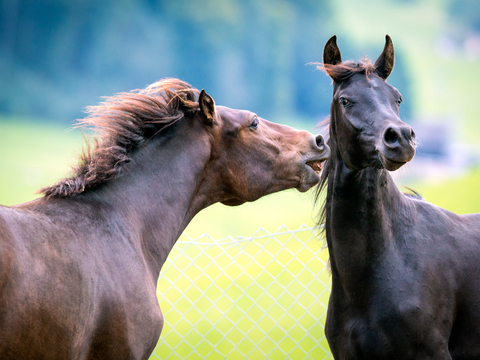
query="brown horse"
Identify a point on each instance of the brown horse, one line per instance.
(405, 273)
(79, 266)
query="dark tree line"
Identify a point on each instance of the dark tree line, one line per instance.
(58, 56)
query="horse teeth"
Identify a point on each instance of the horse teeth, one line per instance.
(316, 166)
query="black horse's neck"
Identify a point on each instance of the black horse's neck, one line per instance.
(358, 227)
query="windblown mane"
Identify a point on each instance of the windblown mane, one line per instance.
(346, 69)
(123, 123)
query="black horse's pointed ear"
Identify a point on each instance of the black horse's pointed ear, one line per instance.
(207, 107)
(331, 55)
(386, 60)
(331, 52)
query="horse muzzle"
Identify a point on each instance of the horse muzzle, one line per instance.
(312, 161)
(397, 146)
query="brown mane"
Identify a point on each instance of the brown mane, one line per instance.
(124, 122)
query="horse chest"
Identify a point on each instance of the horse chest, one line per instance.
(128, 320)
(125, 331)
(385, 325)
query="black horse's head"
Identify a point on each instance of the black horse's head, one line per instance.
(365, 122)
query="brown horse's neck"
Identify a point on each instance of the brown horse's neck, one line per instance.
(360, 215)
(161, 190)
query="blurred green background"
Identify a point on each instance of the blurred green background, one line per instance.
(59, 56)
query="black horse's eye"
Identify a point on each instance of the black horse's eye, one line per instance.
(254, 123)
(344, 102)
(400, 100)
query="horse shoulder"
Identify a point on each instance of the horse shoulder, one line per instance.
(446, 230)
(434, 251)
(78, 282)
(447, 246)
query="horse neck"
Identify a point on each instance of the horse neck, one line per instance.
(361, 208)
(162, 190)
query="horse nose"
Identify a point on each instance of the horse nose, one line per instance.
(320, 142)
(397, 136)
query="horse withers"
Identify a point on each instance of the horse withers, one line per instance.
(405, 273)
(79, 266)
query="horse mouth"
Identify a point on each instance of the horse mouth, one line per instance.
(393, 165)
(316, 165)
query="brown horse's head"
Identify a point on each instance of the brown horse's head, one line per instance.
(254, 157)
(244, 157)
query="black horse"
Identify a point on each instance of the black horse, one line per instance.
(405, 273)
(79, 266)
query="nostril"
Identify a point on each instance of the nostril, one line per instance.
(412, 134)
(319, 140)
(391, 136)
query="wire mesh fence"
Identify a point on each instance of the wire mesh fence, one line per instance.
(261, 297)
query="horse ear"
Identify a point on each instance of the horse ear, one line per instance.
(207, 107)
(331, 52)
(386, 60)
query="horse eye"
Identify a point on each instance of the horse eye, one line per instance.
(400, 100)
(254, 123)
(344, 102)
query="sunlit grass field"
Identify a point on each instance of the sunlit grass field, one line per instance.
(258, 298)
(232, 300)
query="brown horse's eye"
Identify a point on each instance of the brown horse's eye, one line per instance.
(344, 102)
(254, 123)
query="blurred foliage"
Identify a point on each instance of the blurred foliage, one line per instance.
(58, 56)
(467, 12)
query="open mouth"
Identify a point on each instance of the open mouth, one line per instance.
(316, 165)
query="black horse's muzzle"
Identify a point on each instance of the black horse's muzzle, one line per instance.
(397, 146)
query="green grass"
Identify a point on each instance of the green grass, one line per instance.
(460, 195)
(33, 155)
(261, 299)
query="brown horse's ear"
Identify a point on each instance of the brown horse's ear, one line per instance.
(207, 107)
(386, 60)
(331, 52)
